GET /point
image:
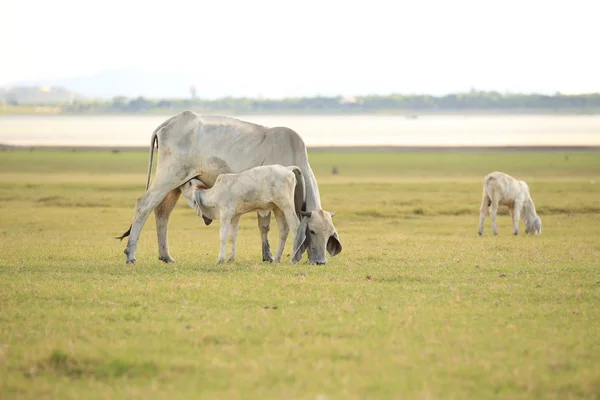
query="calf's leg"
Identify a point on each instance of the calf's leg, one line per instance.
(235, 226)
(516, 214)
(485, 201)
(224, 233)
(283, 233)
(493, 214)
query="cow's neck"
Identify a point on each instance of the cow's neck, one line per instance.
(313, 198)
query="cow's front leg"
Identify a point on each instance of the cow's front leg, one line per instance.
(264, 222)
(162, 214)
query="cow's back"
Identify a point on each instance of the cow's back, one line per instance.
(208, 146)
(244, 145)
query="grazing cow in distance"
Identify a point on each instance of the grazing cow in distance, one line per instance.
(261, 189)
(502, 189)
(205, 147)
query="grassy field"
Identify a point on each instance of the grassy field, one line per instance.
(417, 306)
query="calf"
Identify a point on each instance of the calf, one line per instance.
(502, 189)
(262, 189)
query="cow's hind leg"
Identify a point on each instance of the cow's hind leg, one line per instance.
(144, 206)
(162, 214)
(264, 222)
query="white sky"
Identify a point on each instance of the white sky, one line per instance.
(305, 47)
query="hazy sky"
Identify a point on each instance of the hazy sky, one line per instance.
(305, 47)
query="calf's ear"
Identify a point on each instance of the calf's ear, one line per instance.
(301, 242)
(197, 203)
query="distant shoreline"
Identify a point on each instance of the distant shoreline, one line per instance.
(410, 114)
(323, 149)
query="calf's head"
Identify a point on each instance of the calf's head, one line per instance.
(315, 235)
(533, 225)
(190, 191)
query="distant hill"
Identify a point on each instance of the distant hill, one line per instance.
(134, 83)
(38, 95)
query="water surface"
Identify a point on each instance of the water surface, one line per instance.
(353, 130)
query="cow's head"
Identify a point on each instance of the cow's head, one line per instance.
(316, 234)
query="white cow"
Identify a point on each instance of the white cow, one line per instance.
(502, 189)
(191, 146)
(261, 189)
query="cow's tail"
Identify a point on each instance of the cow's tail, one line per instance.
(299, 191)
(123, 236)
(153, 141)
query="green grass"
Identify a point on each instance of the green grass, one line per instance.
(416, 306)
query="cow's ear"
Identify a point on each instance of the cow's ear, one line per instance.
(334, 246)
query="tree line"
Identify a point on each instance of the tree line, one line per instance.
(474, 100)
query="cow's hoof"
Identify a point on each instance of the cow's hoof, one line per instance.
(220, 261)
(166, 259)
(132, 261)
(480, 233)
(269, 259)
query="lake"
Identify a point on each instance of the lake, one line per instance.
(338, 130)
